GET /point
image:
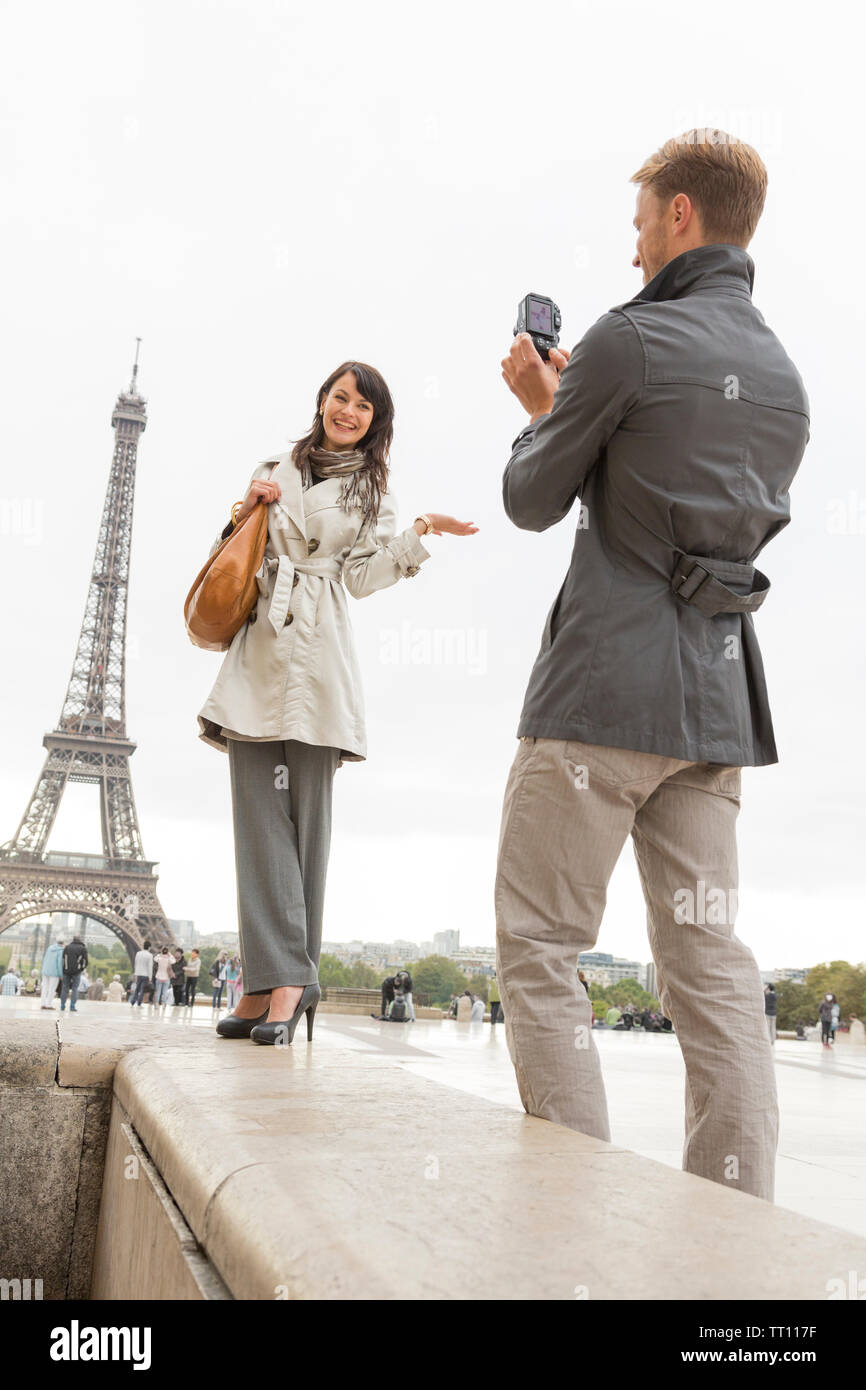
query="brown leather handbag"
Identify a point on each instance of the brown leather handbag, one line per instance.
(224, 591)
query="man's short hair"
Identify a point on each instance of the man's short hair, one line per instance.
(725, 179)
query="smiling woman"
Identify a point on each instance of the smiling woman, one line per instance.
(287, 704)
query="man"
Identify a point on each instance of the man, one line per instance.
(74, 962)
(771, 1005)
(52, 969)
(493, 998)
(142, 969)
(10, 984)
(679, 422)
(387, 995)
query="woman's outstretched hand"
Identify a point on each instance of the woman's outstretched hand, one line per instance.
(449, 524)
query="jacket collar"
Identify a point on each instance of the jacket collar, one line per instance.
(701, 268)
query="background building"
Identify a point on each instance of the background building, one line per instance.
(185, 933)
(605, 969)
(445, 943)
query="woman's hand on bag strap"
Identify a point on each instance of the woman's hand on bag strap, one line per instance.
(263, 490)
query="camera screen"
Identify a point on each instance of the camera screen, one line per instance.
(540, 317)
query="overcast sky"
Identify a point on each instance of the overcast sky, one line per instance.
(260, 190)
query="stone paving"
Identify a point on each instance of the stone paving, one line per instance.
(821, 1169)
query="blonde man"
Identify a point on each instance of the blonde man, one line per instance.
(678, 423)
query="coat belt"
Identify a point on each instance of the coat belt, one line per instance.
(699, 580)
(326, 566)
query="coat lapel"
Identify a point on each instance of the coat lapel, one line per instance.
(291, 503)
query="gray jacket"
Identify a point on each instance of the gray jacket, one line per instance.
(679, 422)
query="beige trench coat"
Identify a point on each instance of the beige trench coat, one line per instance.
(292, 670)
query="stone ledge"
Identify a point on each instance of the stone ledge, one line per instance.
(28, 1058)
(301, 1172)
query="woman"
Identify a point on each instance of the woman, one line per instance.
(834, 1021)
(233, 994)
(287, 705)
(218, 974)
(191, 972)
(164, 975)
(178, 984)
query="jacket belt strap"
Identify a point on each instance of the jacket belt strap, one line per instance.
(327, 567)
(699, 580)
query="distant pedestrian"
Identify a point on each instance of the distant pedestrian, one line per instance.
(477, 1014)
(834, 1021)
(493, 999)
(191, 971)
(825, 1018)
(74, 965)
(233, 974)
(164, 961)
(52, 969)
(771, 1005)
(403, 980)
(178, 984)
(142, 970)
(10, 984)
(218, 975)
(115, 991)
(387, 995)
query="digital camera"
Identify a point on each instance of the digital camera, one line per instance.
(540, 318)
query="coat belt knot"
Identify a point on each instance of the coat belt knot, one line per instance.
(327, 567)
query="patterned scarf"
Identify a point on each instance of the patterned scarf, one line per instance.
(357, 490)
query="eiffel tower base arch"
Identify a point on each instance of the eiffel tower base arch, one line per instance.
(127, 903)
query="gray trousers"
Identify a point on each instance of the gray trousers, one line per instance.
(568, 810)
(281, 806)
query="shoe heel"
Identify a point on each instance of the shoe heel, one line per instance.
(311, 1014)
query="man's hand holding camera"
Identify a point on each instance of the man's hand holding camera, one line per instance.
(532, 380)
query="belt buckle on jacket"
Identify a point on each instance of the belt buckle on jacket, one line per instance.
(686, 583)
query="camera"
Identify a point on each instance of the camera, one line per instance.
(540, 318)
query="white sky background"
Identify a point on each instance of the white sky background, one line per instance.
(260, 190)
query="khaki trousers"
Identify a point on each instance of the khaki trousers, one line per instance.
(567, 811)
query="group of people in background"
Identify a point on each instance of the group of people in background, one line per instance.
(829, 1014)
(478, 1008)
(158, 977)
(630, 1016)
(167, 975)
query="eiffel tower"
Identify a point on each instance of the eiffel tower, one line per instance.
(89, 744)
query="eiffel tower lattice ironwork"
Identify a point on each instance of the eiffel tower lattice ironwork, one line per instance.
(90, 744)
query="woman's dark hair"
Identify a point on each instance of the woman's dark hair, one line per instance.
(376, 442)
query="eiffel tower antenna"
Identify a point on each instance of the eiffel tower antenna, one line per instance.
(90, 744)
(132, 384)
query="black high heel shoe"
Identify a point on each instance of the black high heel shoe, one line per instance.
(233, 1027)
(280, 1034)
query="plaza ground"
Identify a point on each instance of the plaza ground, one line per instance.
(821, 1164)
